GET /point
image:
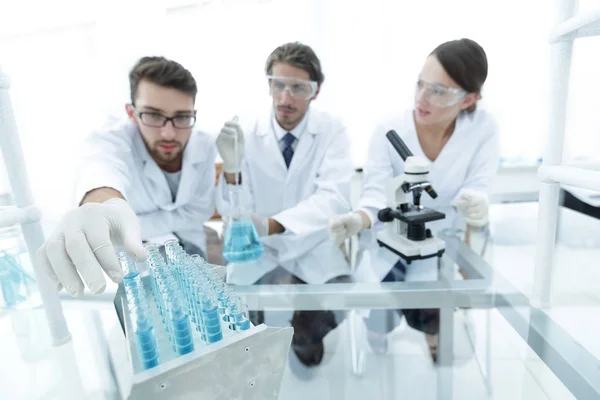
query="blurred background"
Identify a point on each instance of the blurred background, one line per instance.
(69, 60)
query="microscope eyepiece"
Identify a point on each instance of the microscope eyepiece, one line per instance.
(398, 144)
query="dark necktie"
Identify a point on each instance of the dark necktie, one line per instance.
(288, 152)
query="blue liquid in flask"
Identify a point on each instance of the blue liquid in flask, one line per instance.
(15, 283)
(242, 243)
(7, 288)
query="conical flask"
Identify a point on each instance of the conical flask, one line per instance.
(241, 243)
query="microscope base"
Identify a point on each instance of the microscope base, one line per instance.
(411, 250)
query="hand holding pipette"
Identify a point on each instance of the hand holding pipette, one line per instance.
(230, 144)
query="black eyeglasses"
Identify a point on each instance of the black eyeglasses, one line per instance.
(157, 120)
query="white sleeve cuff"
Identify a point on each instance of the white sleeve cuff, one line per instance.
(370, 215)
(96, 183)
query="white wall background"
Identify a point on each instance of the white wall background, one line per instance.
(69, 60)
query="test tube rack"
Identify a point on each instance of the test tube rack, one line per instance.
(243, 365)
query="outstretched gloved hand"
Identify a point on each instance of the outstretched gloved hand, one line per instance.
(83, 246)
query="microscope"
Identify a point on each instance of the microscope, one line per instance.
(404, 231)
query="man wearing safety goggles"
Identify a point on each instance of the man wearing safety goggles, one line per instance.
(294, 166)
(145, 176)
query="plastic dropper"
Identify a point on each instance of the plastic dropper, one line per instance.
(235, 150)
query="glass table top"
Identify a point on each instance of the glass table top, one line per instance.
(493, 342)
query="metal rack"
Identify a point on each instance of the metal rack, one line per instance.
(243, 365)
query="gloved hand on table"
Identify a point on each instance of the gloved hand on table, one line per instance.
(82, 246)
(232, 162)
(473, 206)
(343, 226)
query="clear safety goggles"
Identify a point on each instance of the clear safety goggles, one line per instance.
(439, 95)
(297, 88)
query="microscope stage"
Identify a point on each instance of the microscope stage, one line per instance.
(409, 249)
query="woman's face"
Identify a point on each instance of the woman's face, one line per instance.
(438, 99)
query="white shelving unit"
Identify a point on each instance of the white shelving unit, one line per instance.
(581, 25)
(552, 173)
(26, 213)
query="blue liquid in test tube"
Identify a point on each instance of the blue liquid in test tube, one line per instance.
(130, 270)
(238, 314)
(144, 334)
(147, 346)
(182, 332)
(210, 317)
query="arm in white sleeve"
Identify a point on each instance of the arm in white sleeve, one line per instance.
(377, 173)
(484, 165)
(332, 194)
(103, 156)
(471, 202)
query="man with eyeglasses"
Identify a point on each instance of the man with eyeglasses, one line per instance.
(293, 164)
(146, 177)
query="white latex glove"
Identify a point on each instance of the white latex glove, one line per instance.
(82, 246)
(473, 206)
(343, 226)
(260, 223)
(226, 146)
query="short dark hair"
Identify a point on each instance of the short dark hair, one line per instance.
(163, 72)
(466, 63)
(298, 55)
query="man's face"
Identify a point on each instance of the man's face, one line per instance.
(165, 143)
(290, 110)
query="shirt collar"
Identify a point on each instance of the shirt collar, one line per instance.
(297, 131)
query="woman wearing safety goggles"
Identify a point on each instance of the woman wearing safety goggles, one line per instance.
(446, 127)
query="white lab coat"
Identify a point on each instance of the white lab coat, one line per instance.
(303, 198)
(116, 156)
(468, 160)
